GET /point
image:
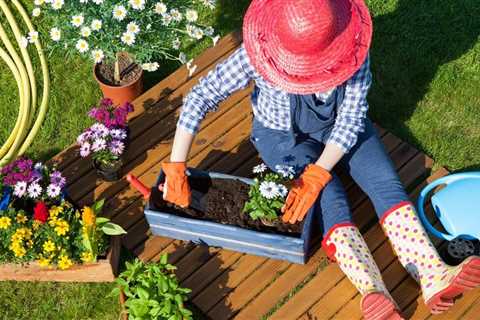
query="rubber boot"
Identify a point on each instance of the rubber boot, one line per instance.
(345, 245)
(440, 283)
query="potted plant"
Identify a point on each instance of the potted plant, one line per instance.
(227, 211)
(124, 37)
(151, 291)
(105, 140)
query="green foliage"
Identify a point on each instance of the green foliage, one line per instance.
(152, 291)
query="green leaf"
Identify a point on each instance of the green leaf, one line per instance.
(102, 220)
(142, 293)
(98, 206)
(139, 308)
(114, 293)
(112, 229)
(164, 259)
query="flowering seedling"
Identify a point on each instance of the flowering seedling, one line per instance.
(148, 30)
(105, 139)
(153, 291)
(267, 194)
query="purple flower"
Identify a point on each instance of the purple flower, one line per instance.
(35, 175)
(99, 145)
(58, 179)
(116, 147)
(106, 102)
(82, 138)
(34, 190)
(93, 113)
(128, 107)
(100, 130)
(24, 164)
(53, 190)
(118, 134)
(85, 150)
(20, 189)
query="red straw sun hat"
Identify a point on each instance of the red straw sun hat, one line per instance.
(307, 46)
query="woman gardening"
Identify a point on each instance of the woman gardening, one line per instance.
(310, 65)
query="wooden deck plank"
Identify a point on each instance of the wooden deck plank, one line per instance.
(473, 313)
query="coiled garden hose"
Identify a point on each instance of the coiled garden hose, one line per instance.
(26, 126)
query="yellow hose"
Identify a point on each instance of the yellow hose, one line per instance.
(25, 128)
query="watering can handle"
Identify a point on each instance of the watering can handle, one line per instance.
(428, 189)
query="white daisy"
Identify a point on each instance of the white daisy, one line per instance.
(98, 55)
(133, 27)
(191, 15)
(96, 24)
(38, 2)
(176, 15)
(99, 145)
(128, 38)
(53, 190)
(151, 67)
(77, 20)
(282, 190)
(34, 190)
(57, 4)
(36, 12)
(260, 168)
(269, 189)
(97, 1)
(82, 46)
(20, 189)
(32, 36)
(166, 19)
(209, 31)
(119, 12)
(198, 33)
(160, 8)
(285, 171)
(86, 32)
(55, 34)
(137, 4)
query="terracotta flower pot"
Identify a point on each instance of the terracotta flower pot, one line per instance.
(120, 94)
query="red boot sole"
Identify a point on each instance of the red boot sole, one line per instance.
(376, 306)
(468, 278)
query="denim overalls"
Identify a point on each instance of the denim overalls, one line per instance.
(367, 162)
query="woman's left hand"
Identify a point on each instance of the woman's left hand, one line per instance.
(304, 193)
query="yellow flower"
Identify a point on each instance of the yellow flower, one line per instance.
(22, 234)
(64, 262)
(88, 216)
(21, 218)
(44, 262)
(87, 257)
(18, 249)
(48, 246)
(5, 222)
(36, 225)
(62, 227)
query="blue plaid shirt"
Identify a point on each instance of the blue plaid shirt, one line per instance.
(272, 107)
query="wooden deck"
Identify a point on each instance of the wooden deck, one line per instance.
(232, 285)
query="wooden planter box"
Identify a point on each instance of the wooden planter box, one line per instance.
(293, 249)
(104, 270)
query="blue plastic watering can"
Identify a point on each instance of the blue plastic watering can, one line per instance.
(457, 206)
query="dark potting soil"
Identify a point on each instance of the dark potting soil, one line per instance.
(224, 201)
(129, 72)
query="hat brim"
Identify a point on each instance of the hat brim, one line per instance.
(306, 73)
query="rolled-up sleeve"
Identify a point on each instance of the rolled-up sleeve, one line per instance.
(352, 112)
(229, 76)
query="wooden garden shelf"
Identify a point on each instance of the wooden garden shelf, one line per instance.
(227, 284)
(104, 270)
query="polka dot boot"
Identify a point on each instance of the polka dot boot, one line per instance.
(440, 282)
(345, 245)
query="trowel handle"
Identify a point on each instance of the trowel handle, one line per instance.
(139, 186)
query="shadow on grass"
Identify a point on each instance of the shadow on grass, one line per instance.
(409, 45)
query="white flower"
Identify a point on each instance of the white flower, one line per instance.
(176, 44)
(285, 171)
(166, 19)
(191, 15)
(38, 166)
(197, 33)
(118, 134)
(209, 3)
(151, 67)
(99, 145)
(269, 189)
(85, 150)
(53, 190)
(260, 168)
(96, 24)
(55, 34)
(128, 38)
(190, 29)
(133, 28)
(83, 1)
(34, 190)
(119, 12)
(209, 31)
(86, 32)
(23, 42)
(282, 190)
(57, 4)
(77, 20)
(137, 4)
(36, 12)
(82, 46)
(38, 2)
(160, 8)
(32, 36)
(97, 1)
(97, 55)
(20, 189)
(176, 15)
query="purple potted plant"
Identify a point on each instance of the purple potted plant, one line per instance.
(105, 141)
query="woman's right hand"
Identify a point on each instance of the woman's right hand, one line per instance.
(176, 188)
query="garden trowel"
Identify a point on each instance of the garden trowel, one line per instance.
(154, 195)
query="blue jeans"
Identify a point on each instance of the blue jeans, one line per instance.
(367, 162)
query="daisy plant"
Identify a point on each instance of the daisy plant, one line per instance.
(105, 139)
(268, 192)
(148, 31)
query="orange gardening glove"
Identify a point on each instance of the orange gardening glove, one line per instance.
(304, 193)
(176, 188)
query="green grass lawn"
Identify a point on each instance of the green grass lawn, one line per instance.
(425, 59)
